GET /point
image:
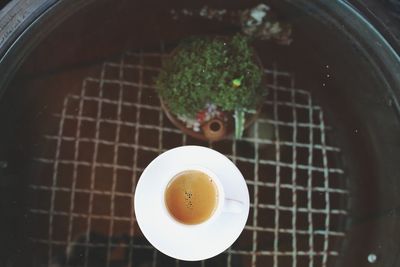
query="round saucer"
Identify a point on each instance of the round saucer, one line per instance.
(187, 243)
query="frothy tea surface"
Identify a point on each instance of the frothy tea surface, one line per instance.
(191, 197)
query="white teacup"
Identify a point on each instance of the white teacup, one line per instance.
(222, 204)
(191, 241)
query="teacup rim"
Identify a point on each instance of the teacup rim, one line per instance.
(221, 196)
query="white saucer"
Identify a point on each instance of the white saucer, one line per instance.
(186, 244)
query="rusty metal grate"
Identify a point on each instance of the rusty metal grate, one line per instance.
(109, 132)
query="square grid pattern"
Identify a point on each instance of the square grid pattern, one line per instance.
(82, 201)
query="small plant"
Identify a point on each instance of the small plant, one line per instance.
(208, 71)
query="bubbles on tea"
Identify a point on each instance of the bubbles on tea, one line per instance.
(188, 199)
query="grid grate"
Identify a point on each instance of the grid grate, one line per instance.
(108, 134)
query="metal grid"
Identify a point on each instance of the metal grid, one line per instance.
(109, 132)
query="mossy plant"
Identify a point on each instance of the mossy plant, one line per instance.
(206, 70)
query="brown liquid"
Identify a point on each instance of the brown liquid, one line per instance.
(191, 197)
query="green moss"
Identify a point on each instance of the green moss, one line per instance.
(222, 71)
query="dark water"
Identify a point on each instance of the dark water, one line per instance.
(81, 120)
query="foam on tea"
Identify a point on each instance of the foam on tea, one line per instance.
(191, 197)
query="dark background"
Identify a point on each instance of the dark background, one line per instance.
(384, 14)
